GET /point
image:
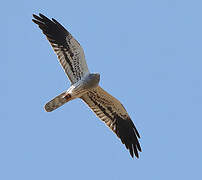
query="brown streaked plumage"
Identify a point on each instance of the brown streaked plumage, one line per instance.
(112, 112)
(85, 85)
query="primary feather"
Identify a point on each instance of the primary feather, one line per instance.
(85, 85)
(112, 112)
(69, 52)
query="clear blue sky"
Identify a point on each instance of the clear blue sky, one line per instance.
(149, 55)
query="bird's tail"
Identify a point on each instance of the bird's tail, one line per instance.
(57, 102)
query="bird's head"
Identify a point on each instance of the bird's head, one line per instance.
(96, 76)
(93, 79)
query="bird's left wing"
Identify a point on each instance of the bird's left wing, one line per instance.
(112, 112)
(69, 52)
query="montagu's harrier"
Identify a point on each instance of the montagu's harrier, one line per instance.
(85, 85)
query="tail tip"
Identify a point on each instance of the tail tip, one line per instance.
(48, 108)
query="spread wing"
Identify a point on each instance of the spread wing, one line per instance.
(69, 52)
(112, 112)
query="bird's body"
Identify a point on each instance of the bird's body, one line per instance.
(76, 90)
(85, 85)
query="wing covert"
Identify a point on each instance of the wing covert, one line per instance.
(112, 112)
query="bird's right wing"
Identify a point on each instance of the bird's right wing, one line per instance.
(112, 112)
(69, 52)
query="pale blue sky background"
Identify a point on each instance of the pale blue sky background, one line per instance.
(149, 55)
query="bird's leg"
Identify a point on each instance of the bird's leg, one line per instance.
(67, 97)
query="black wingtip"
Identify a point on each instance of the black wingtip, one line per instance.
(129, 135)
(34, 15)
(136, 152)
(36, 19)
(55, 21)
(43, 16)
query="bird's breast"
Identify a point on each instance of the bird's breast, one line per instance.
(84, 85)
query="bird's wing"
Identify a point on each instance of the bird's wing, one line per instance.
(68, 49)
(112, 112)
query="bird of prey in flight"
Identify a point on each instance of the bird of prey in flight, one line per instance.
(85, 85)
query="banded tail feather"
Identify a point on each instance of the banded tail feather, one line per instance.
(57, 102)
(72, 59)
